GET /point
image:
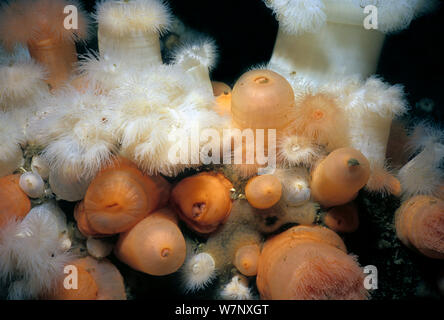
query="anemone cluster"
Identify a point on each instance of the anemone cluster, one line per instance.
(102, 130)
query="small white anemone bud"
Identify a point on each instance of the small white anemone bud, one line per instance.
(98, 248)
(236, 289)
(40, 166)
(32, 184)
(65, 243)
(297, 192)
(198, 271)
(296, 150)
(295, 185)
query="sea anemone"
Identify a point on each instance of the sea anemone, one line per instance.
(306, 263)
(120, 196)
(77, 138)
(322, 40)
(14, 203)
(262, 99)
(22, 80)
(164, 97)
(97, 280)
(295, 185)
(262, 107)
(319, 118)
(296, 17)
(337, 179)
(11, 138)
(246, 259)
(40, 24)
(32, 252)
(32, 184)
(132, 27)
(419, 224)
(297, 150)
(220, 88)
(203, 201)
(370, 107)
(155, 245)
(198, 271)
(197, 59)
(40, 166)
(237, 289)
(98, 248)
(397, 153)
(423, 174)
(263, 192)
(106, 71)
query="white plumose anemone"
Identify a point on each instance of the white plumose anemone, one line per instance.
(21, 80)
(32, 255)
(295, 185)
(133, 27)
(236, 289)
(98, 248)
(423, 174)
(298, 16)
(370, 106)
(198, 271)
(296, 150)
(159, 111)
(197, 59)
(108, 70)
(40, 166)
(77, 138)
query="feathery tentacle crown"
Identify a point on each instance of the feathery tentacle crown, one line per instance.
(300, 16)
(134, 27)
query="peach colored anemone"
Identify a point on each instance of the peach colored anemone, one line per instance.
(119, 197)
(96, 280)
(419, 224)
(337, 179)
(14, 203)
(203, 201)
(308, 263)
(155, 245)
(263, 192)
